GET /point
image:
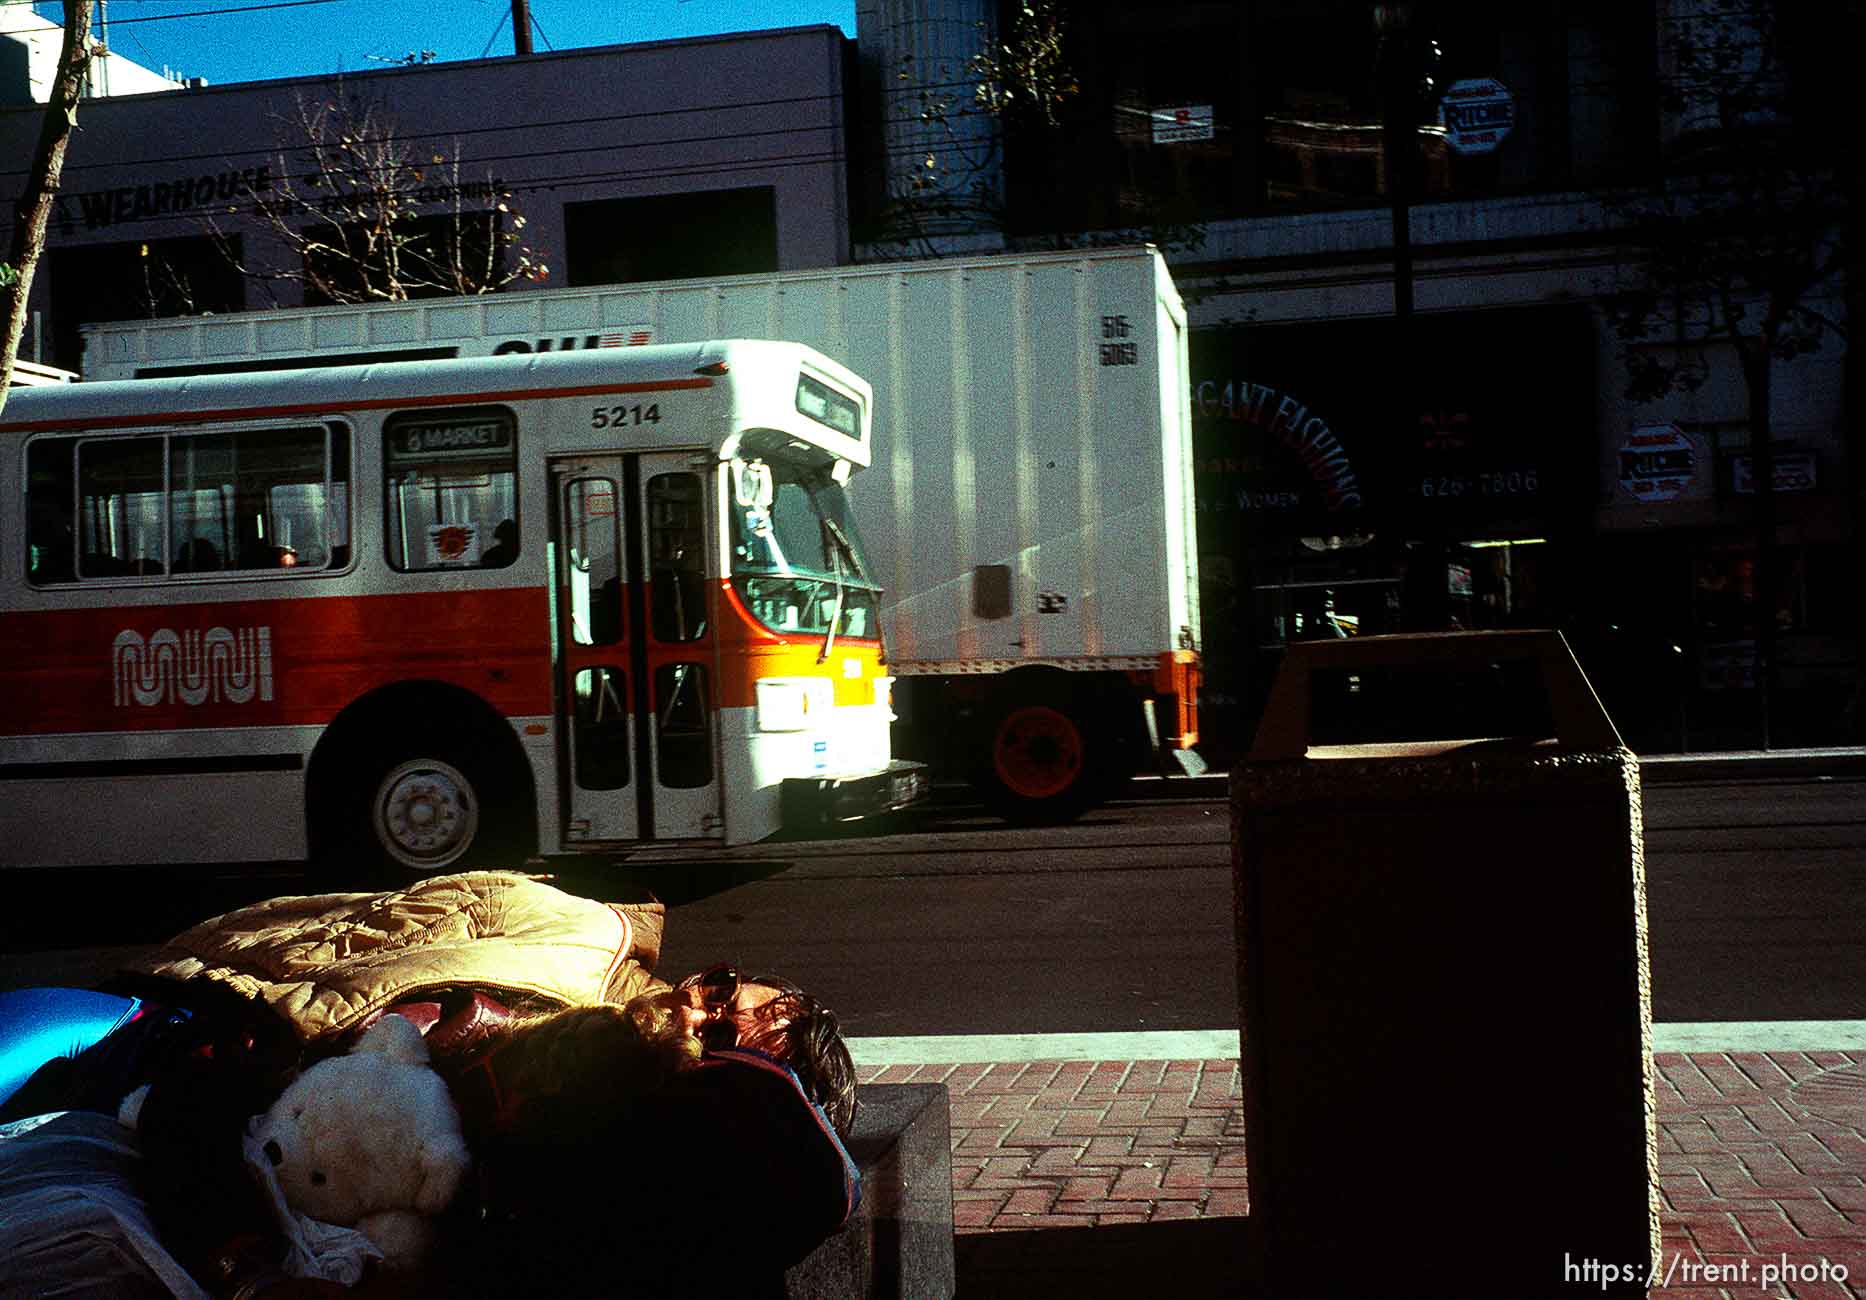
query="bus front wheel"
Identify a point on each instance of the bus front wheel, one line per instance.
(425, 809)
(425, 814)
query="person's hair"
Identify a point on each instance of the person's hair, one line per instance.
(811, 1043)
(595, 1052)
(562, 1074)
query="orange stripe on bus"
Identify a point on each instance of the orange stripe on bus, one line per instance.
(750, 650)
(800, 661)
(135, 668)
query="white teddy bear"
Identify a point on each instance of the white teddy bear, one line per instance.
(369, 1140)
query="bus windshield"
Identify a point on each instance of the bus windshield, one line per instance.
(796, 560)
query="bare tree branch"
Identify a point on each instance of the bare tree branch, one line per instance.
(359, 218)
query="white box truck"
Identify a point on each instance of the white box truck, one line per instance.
(1029, 510)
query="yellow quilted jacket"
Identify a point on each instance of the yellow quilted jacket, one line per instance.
(329, 962)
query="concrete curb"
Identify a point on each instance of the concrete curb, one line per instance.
(1222, 1044)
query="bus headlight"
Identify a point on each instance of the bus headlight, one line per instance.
(794, 703)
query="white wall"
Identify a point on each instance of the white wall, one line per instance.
(112, 74)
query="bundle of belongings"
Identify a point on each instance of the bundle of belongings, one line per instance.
(392, 1092)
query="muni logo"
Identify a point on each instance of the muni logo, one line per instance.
(192, 667)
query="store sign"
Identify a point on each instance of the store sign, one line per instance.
(1289, 421)
(251, 189)
(1180, 124)
(1660, 462)
(1283, 446)
(1476, 114)
(1794, 472)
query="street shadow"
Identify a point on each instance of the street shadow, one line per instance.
(67, 907)
(1192, 1257)
(92, 907)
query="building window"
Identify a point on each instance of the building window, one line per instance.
(671, 236)
(433, 256)
(139, 280)
(1297, 105)
(1175, 104)
(1582, 105)
(1151, 139)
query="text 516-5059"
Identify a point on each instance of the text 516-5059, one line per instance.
(1488, 483)
(613, 417)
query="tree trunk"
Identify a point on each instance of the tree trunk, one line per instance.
(48, 161)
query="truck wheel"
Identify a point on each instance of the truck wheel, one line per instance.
(1038, 760)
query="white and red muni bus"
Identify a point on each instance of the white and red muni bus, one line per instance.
(438, 614)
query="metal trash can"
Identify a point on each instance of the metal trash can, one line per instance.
(1445, 999)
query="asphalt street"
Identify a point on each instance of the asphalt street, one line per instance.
(1120, 923)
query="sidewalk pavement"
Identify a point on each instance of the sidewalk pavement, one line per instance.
(1106, 1178)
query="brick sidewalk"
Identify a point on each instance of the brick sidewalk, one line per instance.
(1762, 1161)
(1052, 1144)
(1762, 1157)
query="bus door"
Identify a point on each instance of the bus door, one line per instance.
(637, 645)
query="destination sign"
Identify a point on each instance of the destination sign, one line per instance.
(827, 406)
(452, 438)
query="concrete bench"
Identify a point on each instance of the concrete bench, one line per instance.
(899, 1243)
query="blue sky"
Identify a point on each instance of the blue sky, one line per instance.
(247, 40)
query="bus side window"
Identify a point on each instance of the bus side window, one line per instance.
(197, 555)
(255, 499)
(120, 506)
(339, 503)
(51, 545)
(450, 476)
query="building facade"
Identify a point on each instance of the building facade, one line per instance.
(639, 162)
(1404, 232)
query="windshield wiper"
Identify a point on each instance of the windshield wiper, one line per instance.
(834, 542)
(845, 546)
